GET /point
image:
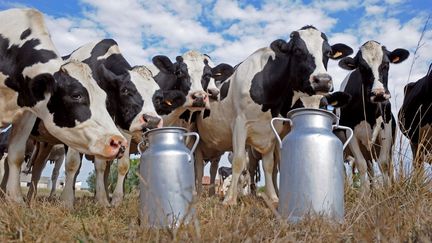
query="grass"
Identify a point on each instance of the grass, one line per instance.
(400, 213)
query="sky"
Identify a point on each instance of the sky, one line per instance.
(229, 31)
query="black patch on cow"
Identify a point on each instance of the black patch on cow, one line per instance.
(172, 76)
(416, 110)
(289, 70)
(167, 101)
(206, 113)
(70, 101)
(26, 33)
(35, 129)
(123, 101)
(14, 59)
(224, 89)
(187, 116)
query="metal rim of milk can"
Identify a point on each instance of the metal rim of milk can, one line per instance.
(185, 134)
(294, 111)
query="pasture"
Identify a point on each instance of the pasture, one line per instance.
(400, 213)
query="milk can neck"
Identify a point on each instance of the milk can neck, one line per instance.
(312, 119)
(165, 136)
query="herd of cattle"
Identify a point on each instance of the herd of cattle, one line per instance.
(95, 103)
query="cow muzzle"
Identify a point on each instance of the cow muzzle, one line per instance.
(199, 99)
(150, 121)
(115, 147)
(213, 94)
(379, 95)
(322, 83)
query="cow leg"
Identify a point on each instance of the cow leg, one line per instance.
(371, 172)
(199, 170)
(253, 168)
(2, 166)
(38, 166)
(239, 160)
(101, 194)
(213, 171)
(54, 176)
(385, 156)
(276, 168)
(268, 164)
(360, 164)
(20, 132)
(122, 168)
(72, 164)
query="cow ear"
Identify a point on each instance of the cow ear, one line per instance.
(338, 99)
(41, 85)
(108, 76)
(399, 55)
(348, 63)
(222, 71)
(340, 50)
(280, 46)
(163, 63)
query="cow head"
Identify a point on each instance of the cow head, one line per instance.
(75, 111)
(309, 52)
(193, 74)
(130, 98)
(372, 61)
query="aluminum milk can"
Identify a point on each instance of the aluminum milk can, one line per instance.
(167, 178)
(312, 167)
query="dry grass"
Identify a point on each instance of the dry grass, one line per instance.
(400, 213)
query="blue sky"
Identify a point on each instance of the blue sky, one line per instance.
(229, 31)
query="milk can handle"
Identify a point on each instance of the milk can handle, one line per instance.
(349, 137)
(195, 144)
(139, 146)
(274, 130)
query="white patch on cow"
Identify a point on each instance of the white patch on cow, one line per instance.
(2, 166)
(363, 133)
(114, 49)
(312, 101)
(296, 96)
(377, 129)
(83, 52)
(51, 66)
(373, 54)
(143, 80)
(314, 43)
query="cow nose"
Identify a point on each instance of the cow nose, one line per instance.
(118, 145)
(151, 121)
(213, 93)
(322, 78)
(199, 99)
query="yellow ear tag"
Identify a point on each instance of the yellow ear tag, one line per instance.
(337, 54)
(350, 65)
(395, 59)
(217, 74)
(168, 102)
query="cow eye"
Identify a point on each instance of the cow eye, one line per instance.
(76, 96)
(124, 91)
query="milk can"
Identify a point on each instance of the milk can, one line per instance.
(312, 168)
(167, 177)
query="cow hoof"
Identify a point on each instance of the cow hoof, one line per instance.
(16, 199)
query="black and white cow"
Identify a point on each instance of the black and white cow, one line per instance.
(36, 82)
(271, 79)
(193, 74)
(415, 118)
(129, 101)
(369, 112)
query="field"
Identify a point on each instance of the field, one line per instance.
(400, 213)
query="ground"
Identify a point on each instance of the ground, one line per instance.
(400, 213)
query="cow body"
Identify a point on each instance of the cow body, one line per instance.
(271, 79)
(415, 116)
(369, 112)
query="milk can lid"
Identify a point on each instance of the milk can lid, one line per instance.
(299, 111)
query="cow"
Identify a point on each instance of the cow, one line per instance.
(130, 91)
(415, 118)
(265, 85)
(369, 112)
(243, 188)
(36, 82)
(56, 155)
